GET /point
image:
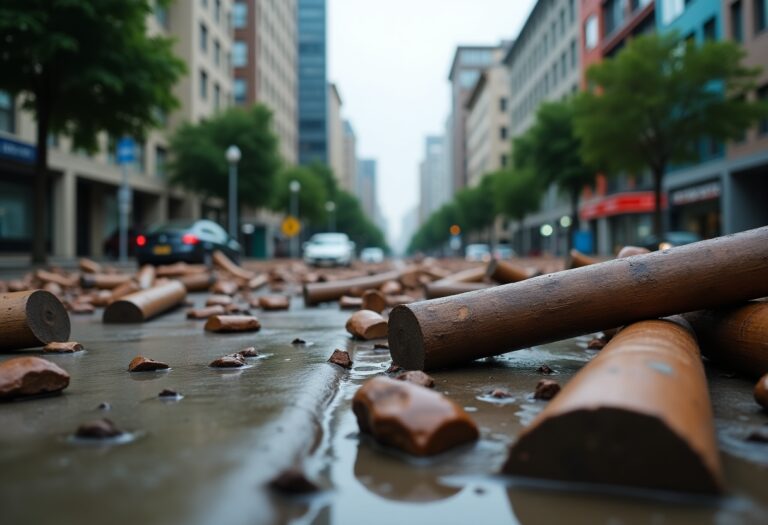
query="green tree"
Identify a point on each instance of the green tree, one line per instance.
(517, 193)
(552, 151)
(653, 103)
(82, 67)
(476, 206)
(312, 196)
(198, 161)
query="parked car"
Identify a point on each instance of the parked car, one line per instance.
(185, 241)
(329, 249)
(112, 243)
(503, 251)
(670, 239)
(372, 255)
(477, 252)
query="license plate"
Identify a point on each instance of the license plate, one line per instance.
(162, 249)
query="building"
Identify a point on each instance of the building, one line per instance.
(349, 183)
(84, 188)
(468, 63)
(543, 66)
(313, 80)
(335, 134)
(487, 127)
(265, 64)
(366, 187)
(434, 179)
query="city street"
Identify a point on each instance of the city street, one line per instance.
(207, 456)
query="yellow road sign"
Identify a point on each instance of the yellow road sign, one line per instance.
(291, 226)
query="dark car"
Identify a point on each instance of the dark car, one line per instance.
(185, 241)
(112, 243)
(669, 239)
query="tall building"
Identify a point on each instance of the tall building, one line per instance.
(366, 186)
(265, 63)
(313, 80)
(335, 134)
(487, 128)
(434, 183)
(84, 188)
(350, 158)
(468, 63)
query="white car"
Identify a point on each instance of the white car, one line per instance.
(478, 252)
(329, 249)
(372, 255)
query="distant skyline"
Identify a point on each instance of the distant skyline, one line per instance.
(390, 61)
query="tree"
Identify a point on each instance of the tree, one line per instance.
(312, 196)
(198, 161)
(351, 220)
(552, 150)
(83, 67)
(476, 206)
(653, 103)
(517, 193)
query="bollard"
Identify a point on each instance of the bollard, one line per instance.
(637, 415)
(141, 306)
(31, 318)
(454, 330)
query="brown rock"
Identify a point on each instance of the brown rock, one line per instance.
(546, 389)
(544, 369)
(366, 324)
(417, 377)
(232, 323)
(597, 343)
(374, 300)
(249, 352)
(298, 341)
(222, 287)
(144, 364)
(98, 429)
(205, 313)
(29, 376)
(341, 358)
(274, 302)
(413, 419)
(220, 299)
(499, 393)
(229, 361)
(293, 481)
(168, 393)
(347, 302)
(761, 392)
(63, 348)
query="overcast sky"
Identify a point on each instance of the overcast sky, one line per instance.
(390, 60)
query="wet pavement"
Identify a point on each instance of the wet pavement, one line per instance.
(205, 458)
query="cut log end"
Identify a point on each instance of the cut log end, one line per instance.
(123, 312)
(47, 318)
(405, 339)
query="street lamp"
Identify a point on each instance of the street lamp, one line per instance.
(233, 157)
(295, 187)
(330, 207)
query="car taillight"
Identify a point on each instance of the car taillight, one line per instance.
(189, 238)
(141, 240)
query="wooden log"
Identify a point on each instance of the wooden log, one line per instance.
(205, 313)
(453, 330)
(259, 281)
(146, 276)
(179, 269)
(315, 293)
(196, 282)
(444, 288)
(232, 323)
(124, 289)
(226, 264)
(470, 275)
(505, 272)
(224, 287)
(104, 281)
(577, 259)
(89, 266)
(61, 280)
(366, 325)
(31, 318)
(144, 305)
(734, 337)
(347, 302)
(374, 300)
(637, 415)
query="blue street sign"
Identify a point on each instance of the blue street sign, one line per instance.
(126, 149)
(18, 151)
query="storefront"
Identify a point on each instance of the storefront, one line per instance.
(16, 195)
(697, 209)
(620, 219)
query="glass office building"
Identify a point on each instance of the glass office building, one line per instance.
(313, 83)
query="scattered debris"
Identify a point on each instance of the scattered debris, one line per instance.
(144, 364)
(63, 348)
(248, 352)
(341, 358)
(544, 369)
(500, 393)
(232, 323)
(98, 429)
(31, 376)
(417, 377)
(366, 324)
(298, 341)
(166, 392)
(229, 361)
(546, 389)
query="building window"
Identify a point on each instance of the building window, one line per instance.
(562, 21)
(468, 78)
(139, 157)
(710, 29)
(240, 15)
(573, 53)
(217, 11)
(671, 9)
(503, 104)
(240, 86)
(7, 113)
(203, 38)
(762, 95)
(216, 97)
(590, 32)
(161, 15)
(239, 54)
(737, 24)
(571, 10)
(203, 84)
(160, 161)
(503, 160)
(760, 12)
(216, 53)
(613, 14)
(503, 133)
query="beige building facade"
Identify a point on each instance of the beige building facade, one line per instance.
(336, 158)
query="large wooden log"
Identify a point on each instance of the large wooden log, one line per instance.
(145, 304)
(505, 272)
(637, 415)
(226, 264)
(453, 330)
(315, 293)
(735, 337)
(446, 288)
(31, 318)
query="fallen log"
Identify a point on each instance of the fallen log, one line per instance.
(445, 288)
(504, 272)
(637, 415)
(104, 281)
(315, 293)
(141, 306)
(196, 282)
(454, 330)
(226, 264)
(31, 318)
(576, 259)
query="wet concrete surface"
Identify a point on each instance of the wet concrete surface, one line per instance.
(205, 457)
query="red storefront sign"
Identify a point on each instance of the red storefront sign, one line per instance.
(620, 204)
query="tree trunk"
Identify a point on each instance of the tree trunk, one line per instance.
(658, 219)
(43, 110)
(575, 193)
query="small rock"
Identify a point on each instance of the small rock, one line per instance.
(98, 429)
(166, 392)
(229, 361)
(544, 369)
(341, 358)
(381, 346)
(761, 392)
(298, 341)
(394, 369)
(104, 406)
(232, 323)
(417, 377)
(500, 393)
(144, 364)
(546, 389)
(293, 481)
(249, 352)
(30, 376)
(63, 348)
(597, 343)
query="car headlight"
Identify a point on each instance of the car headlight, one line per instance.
(665, 245)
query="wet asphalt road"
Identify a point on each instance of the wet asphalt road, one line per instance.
(205, 458)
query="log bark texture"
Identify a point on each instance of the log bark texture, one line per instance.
(31, 318)
(637, 415)
(454, 330)
(143, 305)
(505, 272)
